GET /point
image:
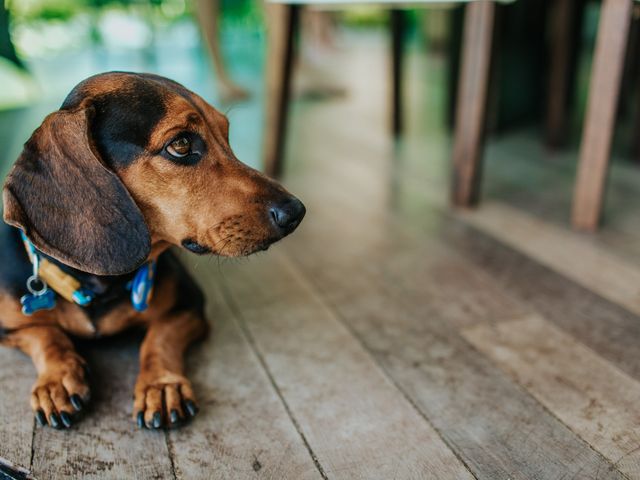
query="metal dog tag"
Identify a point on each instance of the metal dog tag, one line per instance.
(37, 299)
(33, 303)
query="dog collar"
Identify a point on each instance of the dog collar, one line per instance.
(142, 286)
(48, 279)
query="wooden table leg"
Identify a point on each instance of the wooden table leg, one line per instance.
(562, 22)
(471, 102)
(282, 23)
(595, 149)
(635, 147)
(398, 21)
(633, 89)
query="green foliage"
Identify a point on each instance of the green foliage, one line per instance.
(364, 16)
(61, 10)
(245, 12)
(371, 16)
(34, 10)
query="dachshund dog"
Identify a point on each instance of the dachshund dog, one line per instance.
(130, 165)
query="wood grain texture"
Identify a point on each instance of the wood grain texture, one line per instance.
(356, 422)
(16, 377)
(496, 428)
(606, 75)
(574, 256)
(395, 305)
(106, 443)
(592, 397)
(402, 288)
(472, 101)
(243, 430)
(451, 288)
(607, 328)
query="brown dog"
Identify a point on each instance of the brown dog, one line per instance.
(130, 165)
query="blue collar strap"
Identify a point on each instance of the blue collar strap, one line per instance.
(142, 286)
(49, 278)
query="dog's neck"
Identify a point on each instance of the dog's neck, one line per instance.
(101, 284)
(157, 247)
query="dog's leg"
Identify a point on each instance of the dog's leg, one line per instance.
(61, 388)
(163, 395)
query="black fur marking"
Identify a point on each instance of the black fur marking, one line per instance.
(16, 267)
(69, 205)
(124, 118)
(123, 121)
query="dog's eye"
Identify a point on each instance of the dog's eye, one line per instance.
(186, 148)
(180, 147)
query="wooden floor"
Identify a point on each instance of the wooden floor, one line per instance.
(388, 338)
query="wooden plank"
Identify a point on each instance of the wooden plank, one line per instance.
(242, 430)
(471, 101)
(607, 328)
(358, 425)
(383, 280)
(591, 396)
(460, 294)
(106, 443)
(494, 427)
(16, 429)
(574, 256)
(595, 148)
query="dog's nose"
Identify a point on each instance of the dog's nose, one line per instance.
(287, 215)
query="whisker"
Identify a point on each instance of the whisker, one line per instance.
(213, 227)
(225, 245)
(221, 240)
(229, 238)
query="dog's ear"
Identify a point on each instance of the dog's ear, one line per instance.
(69, 204)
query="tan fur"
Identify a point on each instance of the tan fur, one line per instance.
(212, 202)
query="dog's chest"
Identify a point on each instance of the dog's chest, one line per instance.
(71, 318)
(78, 321)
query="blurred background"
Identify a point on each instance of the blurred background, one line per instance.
(47, 46)
(541, 61)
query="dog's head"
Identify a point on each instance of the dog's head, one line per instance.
(132, 160)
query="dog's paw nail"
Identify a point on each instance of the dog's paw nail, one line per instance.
(66, 419)
(174, 417)
(41, 418)
(54, 421)
(191, 407)
(157, 420)
(76, 401)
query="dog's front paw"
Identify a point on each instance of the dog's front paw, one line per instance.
(61, 392)
(163, 399)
